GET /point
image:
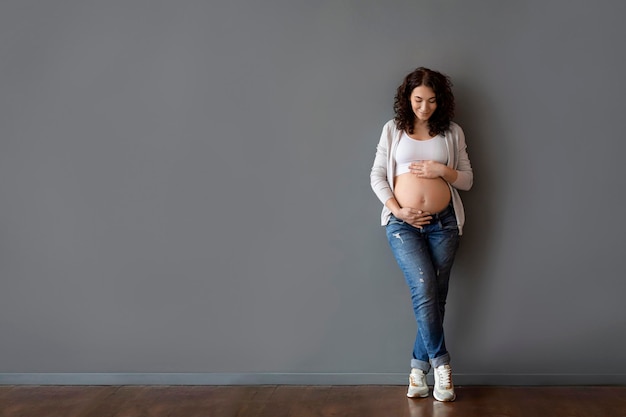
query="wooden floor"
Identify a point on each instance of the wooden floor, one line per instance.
(306, 401)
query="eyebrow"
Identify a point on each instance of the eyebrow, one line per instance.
(429, 98)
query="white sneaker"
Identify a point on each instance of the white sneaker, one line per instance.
(417, 384)
(444, 388)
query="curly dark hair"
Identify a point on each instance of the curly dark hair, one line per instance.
(441, 85)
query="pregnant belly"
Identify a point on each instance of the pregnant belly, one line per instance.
(426, 194)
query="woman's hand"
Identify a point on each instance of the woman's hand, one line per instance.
(427, 169)
(414, 217)
(433, 169)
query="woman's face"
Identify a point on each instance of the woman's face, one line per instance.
(423, 102)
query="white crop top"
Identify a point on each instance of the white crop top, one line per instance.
(412, 150)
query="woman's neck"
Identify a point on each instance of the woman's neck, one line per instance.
(421, 126)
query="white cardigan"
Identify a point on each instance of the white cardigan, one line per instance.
(381, 175)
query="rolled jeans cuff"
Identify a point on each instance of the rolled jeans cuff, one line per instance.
(435, 362)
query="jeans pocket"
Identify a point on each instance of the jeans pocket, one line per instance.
(394, 220)
(449, 222)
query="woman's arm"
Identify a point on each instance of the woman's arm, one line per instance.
(465, 174)
(378, 174)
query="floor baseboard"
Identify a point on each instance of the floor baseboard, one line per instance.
(298, 379)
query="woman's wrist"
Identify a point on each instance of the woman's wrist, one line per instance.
(449, 174)
(393, 206)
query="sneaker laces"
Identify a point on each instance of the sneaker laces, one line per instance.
(445, 376)
(416, 378)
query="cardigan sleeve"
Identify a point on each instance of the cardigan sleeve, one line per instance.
(378, 173)
(465, 178)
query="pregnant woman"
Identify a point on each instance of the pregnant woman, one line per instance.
(421, 162)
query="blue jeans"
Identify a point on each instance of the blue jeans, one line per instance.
(426, 256)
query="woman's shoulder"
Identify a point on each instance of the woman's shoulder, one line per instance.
(389, 130)
(390, 125)
(454, 127)
(455, 131)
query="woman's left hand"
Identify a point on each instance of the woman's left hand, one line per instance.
(427, 169)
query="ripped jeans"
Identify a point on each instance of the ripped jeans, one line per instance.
(426, 257)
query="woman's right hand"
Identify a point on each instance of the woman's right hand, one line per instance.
(414, 217)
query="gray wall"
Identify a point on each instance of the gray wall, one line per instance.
(185, 195)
